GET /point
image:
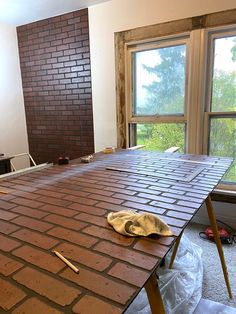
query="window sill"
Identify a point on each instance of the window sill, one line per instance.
(223, 195)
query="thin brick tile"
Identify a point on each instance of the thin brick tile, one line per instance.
(22, 184)
(39, 258)
(151, 248)
(6, 215)
(131, 198)
(26, 202)
(81, 200)
(173, 207)
(109, 235)
(33, 305)
(97, 191)
(87, 209)
(184, 198)
(100, 221)
(6, 205)
(7, 244)
(34, 213)
(115, 185)
(9, 295)
(73, 192)
(145, 207)
(58, 210)
(66, 222)
(105, 199)
(100, 285)
(8, 265)
(25, 194)
(129, 274)
(7, 227)
(49, 193)
(54, 201)
(83, 256)
(32, 223)
(90, 305)
(35, 238)
(138, 185)
(173, 221)
(189, 204)
(179, 215)
(42, 284)
(165, 240)
(157, 198)
(121, 190)
(131, 257)
(110, 206)
(73, 236)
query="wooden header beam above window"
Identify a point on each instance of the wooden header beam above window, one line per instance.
(227, 17)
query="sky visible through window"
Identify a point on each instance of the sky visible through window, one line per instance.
(157, 74)
(222, 61)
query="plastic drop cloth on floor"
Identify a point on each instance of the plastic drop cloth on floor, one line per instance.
(181, 286)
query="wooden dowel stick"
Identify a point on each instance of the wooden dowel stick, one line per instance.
(4, 192)
(75, 269)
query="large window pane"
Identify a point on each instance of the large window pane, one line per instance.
(224, 75)
(223, 142)
(161, 136)
(159, 81)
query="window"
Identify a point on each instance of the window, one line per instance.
(220, 131)
(159, 81)
(157, 108)
(179, 89)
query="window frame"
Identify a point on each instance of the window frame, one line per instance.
(192, 116)
(210, 35)
(155, 43)
(195, 113)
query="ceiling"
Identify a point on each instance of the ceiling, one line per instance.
(20, 12)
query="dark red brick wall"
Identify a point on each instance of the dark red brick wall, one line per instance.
(55, 67)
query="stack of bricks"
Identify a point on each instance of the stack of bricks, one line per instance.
(56, 77)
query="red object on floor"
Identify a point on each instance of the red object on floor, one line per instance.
(222, 232)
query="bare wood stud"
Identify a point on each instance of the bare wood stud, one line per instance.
(154, 295)
(175, 251)
(212, 219)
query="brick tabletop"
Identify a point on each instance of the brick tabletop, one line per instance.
(64, 208)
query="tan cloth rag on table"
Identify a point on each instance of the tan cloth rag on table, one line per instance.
(133, 224)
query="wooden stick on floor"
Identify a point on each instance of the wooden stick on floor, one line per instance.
(154, 295)
(212, 219)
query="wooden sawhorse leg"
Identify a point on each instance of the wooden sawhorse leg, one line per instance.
(154, 295)
(151, 287)
(172, 259)
(212, 219)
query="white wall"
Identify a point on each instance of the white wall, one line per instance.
(13, 134)
(118, 15)
(224, 212)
